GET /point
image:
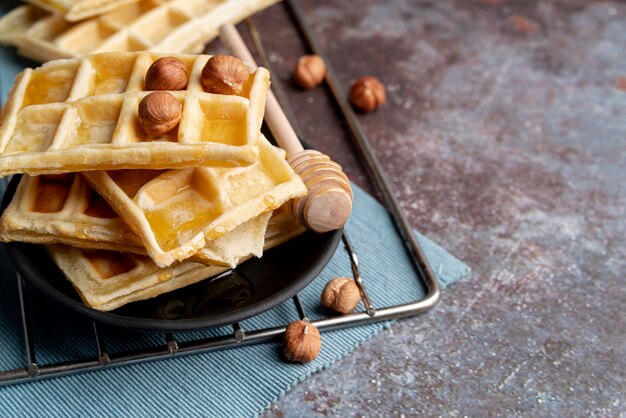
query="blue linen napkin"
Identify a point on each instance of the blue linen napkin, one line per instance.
(241, 381)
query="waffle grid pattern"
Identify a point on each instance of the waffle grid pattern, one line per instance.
(65, 209)
(175, 212)
(74, 10)
(176, 26)
(107, 280)
(81, 114)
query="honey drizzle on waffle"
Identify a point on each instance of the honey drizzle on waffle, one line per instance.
(105, 283)
(176, 212)
(81, 114)
(65, 209)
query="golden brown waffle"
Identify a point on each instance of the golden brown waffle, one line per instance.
(179, 26)
(65, 209)
(107, 280)
(81, 114)
(73, 10)
(175, 212)
(228, 250)
(282, 227)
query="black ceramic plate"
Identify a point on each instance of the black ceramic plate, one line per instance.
(250, 289)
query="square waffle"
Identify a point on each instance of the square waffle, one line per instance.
(178, 26)
(82, 114)
(73, 10)
(65, 209)
(175, 212)
(106, 280)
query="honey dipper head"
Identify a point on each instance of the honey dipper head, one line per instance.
(328, 202)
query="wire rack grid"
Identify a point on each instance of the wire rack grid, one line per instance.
(172, 345)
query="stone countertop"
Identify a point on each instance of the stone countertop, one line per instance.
(504, 136)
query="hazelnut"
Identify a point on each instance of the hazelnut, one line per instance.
(310, 71)
(367, 93)
(167, 73)
(341, 295)
(224, 74)
(159, 112)
(302, 342)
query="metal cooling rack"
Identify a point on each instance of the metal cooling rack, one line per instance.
(103, 359)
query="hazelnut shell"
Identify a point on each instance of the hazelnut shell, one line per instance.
(301, 342)
(341, 294)
(159, 112)
(224, 74)
(167, 73)
(310, 71)
(367, 94)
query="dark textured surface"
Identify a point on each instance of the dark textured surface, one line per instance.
(504, 134)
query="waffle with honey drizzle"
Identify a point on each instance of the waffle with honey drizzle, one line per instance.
(176, 26)
(106, 280)
(73, 10)
(82, 114)
(175, 212)
(65, 209)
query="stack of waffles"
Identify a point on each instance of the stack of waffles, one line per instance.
(128, 215)
(46, 30)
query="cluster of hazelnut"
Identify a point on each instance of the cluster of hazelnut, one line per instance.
(160, 112)
(302, 342)
(366, 94)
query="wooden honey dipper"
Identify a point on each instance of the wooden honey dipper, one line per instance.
(328, 203)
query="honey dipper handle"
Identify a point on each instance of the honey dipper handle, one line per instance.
(274, 115)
